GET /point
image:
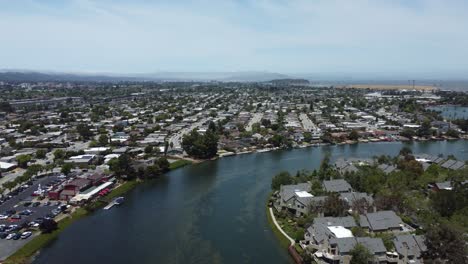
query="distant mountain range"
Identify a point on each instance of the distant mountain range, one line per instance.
(24, 76)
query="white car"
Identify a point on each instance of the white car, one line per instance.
(3, 217)
(26, 234)
(10, 236)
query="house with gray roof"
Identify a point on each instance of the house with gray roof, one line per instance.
(387, 168)
(339, 249)
(338, 186)
(325, 228)
(296, 198)
(409, 247)
(381, 221)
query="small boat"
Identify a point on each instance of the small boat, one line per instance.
(119, 200)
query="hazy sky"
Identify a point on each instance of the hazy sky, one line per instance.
(288, 36)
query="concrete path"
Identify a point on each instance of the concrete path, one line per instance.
(279, 228)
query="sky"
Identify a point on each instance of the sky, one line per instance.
(284, 36)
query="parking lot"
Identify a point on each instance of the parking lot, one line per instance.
(16, 203)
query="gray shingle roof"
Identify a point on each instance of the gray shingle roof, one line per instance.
(382, 220)
(339, 185)
(351, 197)
(409, 244)
(346, 244)
(288, 191)
(448, 164)
(347, 221)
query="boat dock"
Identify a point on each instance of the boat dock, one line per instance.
(116, 201)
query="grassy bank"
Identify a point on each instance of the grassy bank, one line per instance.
(284, 242)
(179, 164)
(24, 254)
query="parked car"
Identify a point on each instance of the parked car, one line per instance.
(17, 236)
(26, 212)
(26, 234)
(3, 235)
(26, 204)
(34, 224)
(16, 217)
(36, 204)
(3, 217)
(10, 236)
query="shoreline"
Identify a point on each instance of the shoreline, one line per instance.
(229, 154)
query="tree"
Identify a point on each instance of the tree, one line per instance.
(66, 168)
(353, 135)
(425, 129)
(405, 151)
(59, 154)
(163, 164)
(41, 153)
(334, 205)
(48, 226)
(103, 140)
(408, 133)
(452, 133)
(283, 178)
(84, 131)
(360, 255)
(35, 169)
(201, 146)
(23, 160)
(6, 107)
(445, 242)
(148, 149)
(121, 166)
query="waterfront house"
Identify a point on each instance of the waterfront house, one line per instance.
(381, 221)
(409, 247)
(337, 186)
(295, 198)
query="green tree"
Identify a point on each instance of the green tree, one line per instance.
(353, 135)
(59, 154)
(121, 166)
(84, 131)
(103, 140)
(334, 206)
(452, 133)
(282, 178)
(23, 160)
(200, 146)
(148, 149)
(41, 153)
(445, 243)
(163, 164)
(360, 255)
(66, 168)
(426, 129)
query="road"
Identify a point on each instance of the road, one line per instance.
(256, 118)
(176, 139)
(307, 124)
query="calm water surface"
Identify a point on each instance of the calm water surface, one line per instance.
(212, 212)
(451, 111)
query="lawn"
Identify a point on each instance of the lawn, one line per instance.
(179, 164)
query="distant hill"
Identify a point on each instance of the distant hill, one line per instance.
(30, 76)
(289, 82)
(63, 77)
